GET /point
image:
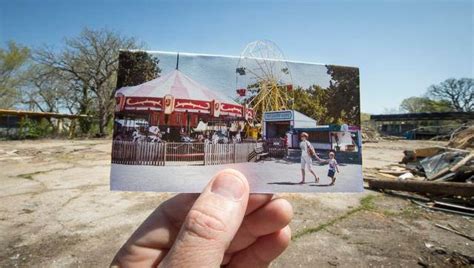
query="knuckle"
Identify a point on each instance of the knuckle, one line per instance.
(204, 225)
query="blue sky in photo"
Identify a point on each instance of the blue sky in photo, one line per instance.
(219, 73)
(401, 47)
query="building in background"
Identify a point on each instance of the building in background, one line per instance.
(421, 125)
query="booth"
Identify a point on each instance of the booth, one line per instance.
(282, 125)
(334, 137)
(289, 124)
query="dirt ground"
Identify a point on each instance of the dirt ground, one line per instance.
(56, 210)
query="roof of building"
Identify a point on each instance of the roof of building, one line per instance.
(303, 121)
(424, 116)
(40, 114)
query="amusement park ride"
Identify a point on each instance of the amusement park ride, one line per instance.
(177, 102)
(264, 81)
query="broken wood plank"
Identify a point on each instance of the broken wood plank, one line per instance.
(456, 206)
(387, 175)
(393, 172)
(463, 162)
(429, 151)
(441, 188)
(442, 209)
(447, 177)
(398, 165)
(441, 173)
(454, 231)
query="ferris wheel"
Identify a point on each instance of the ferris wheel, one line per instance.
(263, 78)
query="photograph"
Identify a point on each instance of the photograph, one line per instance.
(288, 126)
(236, 133)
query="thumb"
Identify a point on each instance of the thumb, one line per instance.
(212, 222)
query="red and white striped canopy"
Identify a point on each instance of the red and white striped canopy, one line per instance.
(176, 91)
(177, 84)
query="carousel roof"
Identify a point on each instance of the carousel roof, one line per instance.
(177, 84)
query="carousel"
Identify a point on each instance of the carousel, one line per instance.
(172, 106)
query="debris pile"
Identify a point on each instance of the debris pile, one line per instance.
(437, 172)
(432, 164)
(370, 134)
(444, 255)
(462, 138)
(441, 164)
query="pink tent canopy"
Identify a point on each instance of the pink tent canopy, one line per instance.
(176, 91)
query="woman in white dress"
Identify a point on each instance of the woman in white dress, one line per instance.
(307, 151)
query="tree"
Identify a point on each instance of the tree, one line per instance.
(90, 62)
(424, 104)
(459, 92)
(48, 91)
(343, 95)
(13, 61)
(136, 67)
(312, 102)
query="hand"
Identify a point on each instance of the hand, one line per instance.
(221, 226)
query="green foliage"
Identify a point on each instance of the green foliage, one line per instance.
(343, 100)
(12, 73)
(312, 102)
(338, 104)
(424, 105)
(33, 129)
(136, 68)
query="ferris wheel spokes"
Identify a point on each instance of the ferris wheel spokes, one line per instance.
(263, 72)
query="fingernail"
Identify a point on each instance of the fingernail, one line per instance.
(228, 185)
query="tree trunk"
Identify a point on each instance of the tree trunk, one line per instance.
(84, 123)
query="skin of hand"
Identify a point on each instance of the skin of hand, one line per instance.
(224, 225)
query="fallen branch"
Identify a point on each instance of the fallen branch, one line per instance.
(455, 231)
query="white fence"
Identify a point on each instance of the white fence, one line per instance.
(174, 153)
(216, 154)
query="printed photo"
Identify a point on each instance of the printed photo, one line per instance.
(288, 126)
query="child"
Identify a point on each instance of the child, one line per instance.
(333, 167)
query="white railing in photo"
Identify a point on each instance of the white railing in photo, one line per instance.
(175, 153)
(218, 154)
(138, 153)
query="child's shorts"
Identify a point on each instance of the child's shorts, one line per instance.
(331, 173)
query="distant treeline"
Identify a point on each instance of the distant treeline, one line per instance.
(80, 77)
(452, 95)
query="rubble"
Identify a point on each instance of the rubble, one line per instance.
(434, 164)
(370, 134)
(448, 257)
(438, 171)
(445, 207)
(462, 138)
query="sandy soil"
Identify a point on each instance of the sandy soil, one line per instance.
(56, 210)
